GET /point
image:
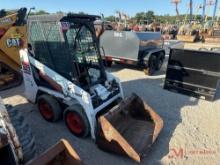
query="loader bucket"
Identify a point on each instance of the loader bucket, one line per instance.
(212, 40)
(129, 128)
(59, 154)
(186, 38)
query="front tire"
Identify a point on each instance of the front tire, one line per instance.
(77, 121)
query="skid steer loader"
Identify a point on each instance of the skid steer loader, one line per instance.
(13, 37)
(17, 143)
(64, 74)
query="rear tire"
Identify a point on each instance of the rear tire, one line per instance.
(49, 108)
(77, 121)
(24, 134)
(160, 60)
(151, 65)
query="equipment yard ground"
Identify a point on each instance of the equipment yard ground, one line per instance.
(190, 134)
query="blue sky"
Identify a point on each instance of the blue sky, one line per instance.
(108, 7)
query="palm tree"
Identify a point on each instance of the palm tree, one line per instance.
(176, 2)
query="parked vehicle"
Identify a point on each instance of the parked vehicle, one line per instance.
(13, 36)
(211, 32)
(64, 75)
(17, 143)
(142, 49)
(189, 32)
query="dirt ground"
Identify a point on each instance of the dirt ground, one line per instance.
(190, 134)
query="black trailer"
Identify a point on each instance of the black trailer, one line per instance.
(143, 49)
(192, 72)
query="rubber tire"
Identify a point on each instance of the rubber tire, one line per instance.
(79, 111)
(151, 67)
(160, 60)
(24, 133)
(55, 107)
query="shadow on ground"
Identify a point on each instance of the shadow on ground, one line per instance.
(117, 67)
(19, 90)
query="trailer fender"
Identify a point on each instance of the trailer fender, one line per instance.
(148, 53)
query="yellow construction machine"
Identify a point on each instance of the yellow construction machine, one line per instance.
(211, 32)
(189, 32)
(13, 37)
(18, 148)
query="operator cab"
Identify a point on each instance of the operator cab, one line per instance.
(58, 40)
(68, 45)
(79, 34)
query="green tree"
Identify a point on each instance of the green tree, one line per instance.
(40, 12)
(82, 13)
(110, 18)
(140, 16)
(149, 16)
(59, 12)
(145, 16)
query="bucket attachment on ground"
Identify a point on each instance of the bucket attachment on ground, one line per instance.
(129, 128)
(193, 72)
(60, 153)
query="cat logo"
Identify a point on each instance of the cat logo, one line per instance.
(13, 42)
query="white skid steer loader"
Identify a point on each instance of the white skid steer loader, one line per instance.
(64, 74)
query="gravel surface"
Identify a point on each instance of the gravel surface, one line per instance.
(191, 126)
